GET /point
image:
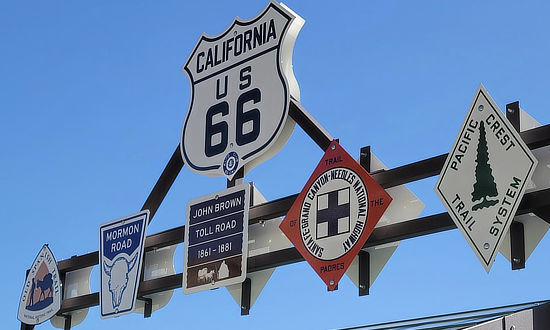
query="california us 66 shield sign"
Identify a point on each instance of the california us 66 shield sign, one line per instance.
(241, 84)
(334, 214)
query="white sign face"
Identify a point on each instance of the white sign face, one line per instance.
(485, 176)
(216, 239)
(121, 244)
(41, 295)
(241, 84)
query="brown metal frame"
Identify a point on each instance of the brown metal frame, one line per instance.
(535, 202)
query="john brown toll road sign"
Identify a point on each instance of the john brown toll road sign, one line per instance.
(485, 176)
(334, 214)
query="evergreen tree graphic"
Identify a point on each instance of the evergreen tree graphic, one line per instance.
(485, 185)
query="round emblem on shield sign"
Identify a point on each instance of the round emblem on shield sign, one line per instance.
(333, 214)
(230, 163)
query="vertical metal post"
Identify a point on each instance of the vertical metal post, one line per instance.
(517, 234)
(238, 178)
(67, 325)
(68, 318)
(364, 256)
(517, 245)
(512, 114)
(364, 158)
(245, 296)
(247, 284)
(25, 326)
(364, 273)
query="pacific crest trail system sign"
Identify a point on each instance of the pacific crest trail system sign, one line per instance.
(485, 176)
(241, 85)
(334, 214)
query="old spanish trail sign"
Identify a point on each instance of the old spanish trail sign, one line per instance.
(216, 239)
(121, 244)
(334, 214)
(241, 84)
(485, 176)
(41, 295)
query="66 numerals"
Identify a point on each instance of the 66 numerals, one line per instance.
(242, 117)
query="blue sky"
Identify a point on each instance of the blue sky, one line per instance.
(93, 100)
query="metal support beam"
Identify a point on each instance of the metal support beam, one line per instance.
(164, 183)
(245, 296)
(312, 128)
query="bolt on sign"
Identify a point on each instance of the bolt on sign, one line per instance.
(216, 239)
(485, 176)
(121, 244)
(241, 84)
(334, 214)
(41, 295)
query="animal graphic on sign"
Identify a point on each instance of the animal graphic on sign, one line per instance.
(205, 276)
(45, 284)
(41, 292)
(118, 277)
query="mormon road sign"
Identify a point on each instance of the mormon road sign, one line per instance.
(485, 176)
(41, 295)
(334, 214)
(216, 239)
(241, 84)
(121, 244)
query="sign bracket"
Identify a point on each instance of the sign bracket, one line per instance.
(148, 309)
(517, 233)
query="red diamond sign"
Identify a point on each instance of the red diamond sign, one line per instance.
(334, 214)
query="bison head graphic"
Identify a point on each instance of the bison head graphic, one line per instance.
(118, 277)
